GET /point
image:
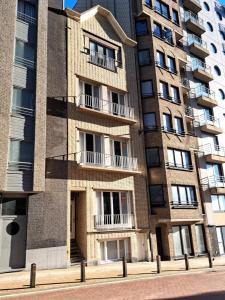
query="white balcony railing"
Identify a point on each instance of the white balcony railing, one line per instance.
(202, 91)
(104, 106)
(214, 181)
(206, 119)
(194, 39)
(114, 221)
(212, 149)
(188, 15)
(102, 60)
(106, 160)
(200, 65)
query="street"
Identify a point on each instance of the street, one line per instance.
(210, 285)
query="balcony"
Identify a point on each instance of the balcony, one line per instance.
(193, 5)
(185, 83)
(194, 23)
(104, 162)
(205, 96)
(189, 112)
(209, 124)
(201, 71)
(216, 184)
(197, 46)
(213, 153)
(111, 222)
(102, 61)
(96, 105)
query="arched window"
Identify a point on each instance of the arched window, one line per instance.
(217, 70)
(206, 6)
(209, 26)
(213, 48)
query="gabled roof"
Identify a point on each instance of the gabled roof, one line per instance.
(107, 14)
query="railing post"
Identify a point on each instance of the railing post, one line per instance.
(33, 276)
(158, 263)
(82, 271)
(124, 267)
(187, 267)
(210, 259)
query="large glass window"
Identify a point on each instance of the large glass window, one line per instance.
(182, 240)
(221, 239)
(218, 202)
(176, 17)
(146, 88)
(26, 8)
(114, 249)
(167, 123)
(164, 90)
(150, 121)
(156, 195)
(141, 27)
(175, 94)
(25, 54)
(161, 62)
(179, 127)
(102, 56)
(200, 238)
(21, 151)
(184, 195)
(152, 155)
(23, 98)
(144, 57)
(162, 9)
(172, 64)
(168, 35)
(179, 159)
(158, 30)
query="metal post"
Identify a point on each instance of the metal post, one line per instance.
(158, 262)
(187, 267)
(33, 276)
(210, 259)
(82, 271)
(124, 267)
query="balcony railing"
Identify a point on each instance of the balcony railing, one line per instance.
(203, 91)
(174, 165)
(118, 221)
(105, 106)
(181, 204)
(107, 160)
(199, 65)
(185, 82)
(169, 98)
(212, 149)
(214, 181)
(194, 39)
(26, 18)
(102, 60)
(206, 119)
(189, 112)
(188, 15)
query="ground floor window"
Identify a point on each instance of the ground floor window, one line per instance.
(221, 239)
(114, 249)
(182, 240)
(200, 238)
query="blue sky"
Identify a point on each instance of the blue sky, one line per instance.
(70, 3)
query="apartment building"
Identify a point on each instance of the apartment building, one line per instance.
(177, 214)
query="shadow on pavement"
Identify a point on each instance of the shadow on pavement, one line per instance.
(220, 295)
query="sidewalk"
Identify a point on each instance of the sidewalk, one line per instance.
(18, 282)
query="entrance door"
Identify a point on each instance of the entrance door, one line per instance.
(13, 223)
(72, 220)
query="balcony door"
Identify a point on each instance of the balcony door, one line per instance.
(119, 150)
(91, 148)
(182, 240)
(91, 95)
(118, 104)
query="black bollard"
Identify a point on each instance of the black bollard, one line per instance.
(124, 261)
(186, 262)
(82, 271)
(210, 259)
(158, 262)
(33, 276)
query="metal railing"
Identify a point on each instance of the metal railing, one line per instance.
(179, 166)
(105, 106)
(102, 60)
(203, 91)
(20, 166)
(212, 149)
(189, 111)
(194, 39)
(25, 62)
(188, 15)
(206, 119)
(107, 160)
(114, 221)
(199, 65)
(186, 204)
(26, 18)
(185, 82)
(214, 181)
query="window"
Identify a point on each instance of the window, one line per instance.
(160, 59)
(176, 17)
(147, 88)
(206, 6)
(179, 127)
(21, 151)
(148, 3)
(175, 94)
(221, 239)
(26, 8)
(184, 195)
(172, 65)
(13, 206)
(168, 35)
(118, 103)
(23, 98)
(213, 48)
(182, 240)
(91, 148)
(199, 230)
(150, 121)
(222, 35)
(90, 95)
(114, 250)
(158, 30)
(219, 16)
(162, 9)
(209, 26)
(221, 94)
(218, 202)
(167, 123)
(102, 56)
(25, 54)
(179, 159)
(156, 195)
(144, 57)
(217, 70)
(141, 27)
(152, 157)
(164, 90)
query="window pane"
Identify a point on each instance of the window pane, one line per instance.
(179, 125)
(150, 121)
(23, 98)
(141, 27)
(146, 88)
(200, 238)
(190, 194)
(152, 156)
(220, 240)
(186, 159)
(13, 206)
(171, 157)
(175, 194)
(186, 239)
(178, 158)
(177, 241)
(23, 50)
(222, 202)
(156, 195)
(183, 195)
(107, 203)
(112, 250)
(144, 57)
(215, 203)
(21, 151)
